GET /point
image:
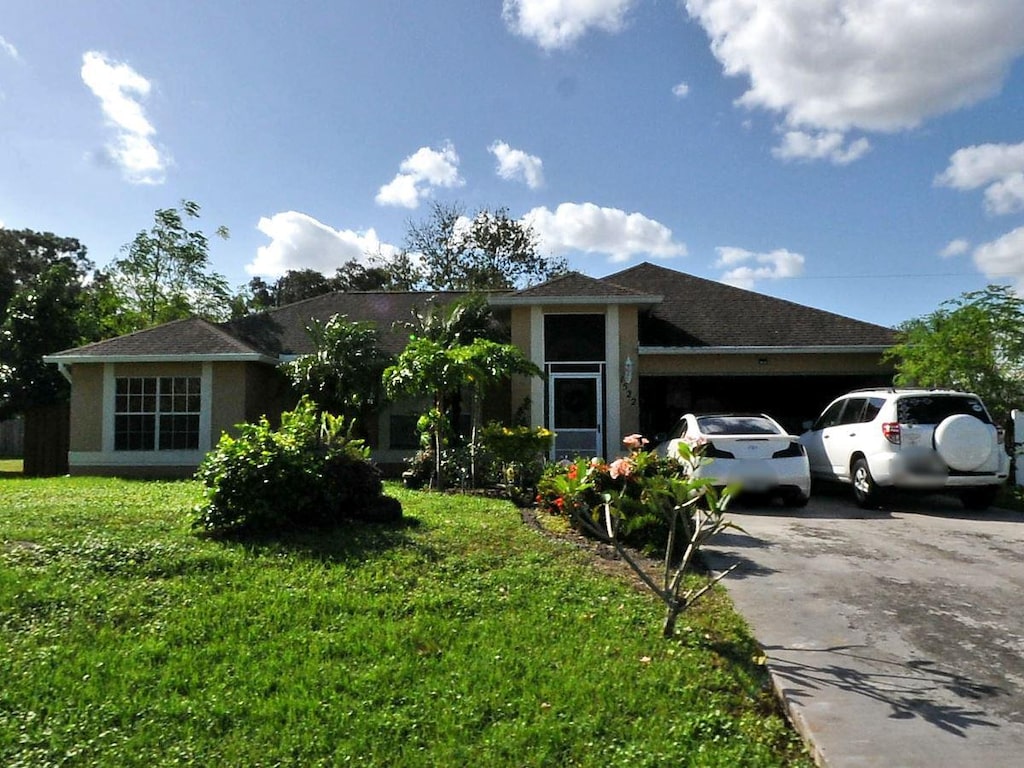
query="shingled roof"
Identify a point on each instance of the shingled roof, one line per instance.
(696, 312)
(282, 331)
(680, 310)
(577, 288)
(191, 338)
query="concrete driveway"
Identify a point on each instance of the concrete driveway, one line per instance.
(896, 637)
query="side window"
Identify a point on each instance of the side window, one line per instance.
(679, 430)
(853, 411)
(830, 417)
(874, 405)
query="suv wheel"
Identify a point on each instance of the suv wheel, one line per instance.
(979, 498)
(865, 491)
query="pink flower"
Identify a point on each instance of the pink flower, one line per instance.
(635, 441)
(620, 468)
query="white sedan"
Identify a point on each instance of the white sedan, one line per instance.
(749, 450)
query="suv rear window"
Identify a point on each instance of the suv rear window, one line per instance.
(927, 409)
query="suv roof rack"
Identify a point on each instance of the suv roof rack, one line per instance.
(894, 390)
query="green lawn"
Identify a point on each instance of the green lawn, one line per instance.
(460, 638)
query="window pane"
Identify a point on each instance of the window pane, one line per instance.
(167, 406)
(573, 337)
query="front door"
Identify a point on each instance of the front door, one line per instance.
(575, 414)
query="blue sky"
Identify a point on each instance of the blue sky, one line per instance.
(861, 156)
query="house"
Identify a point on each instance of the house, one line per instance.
(626, 353)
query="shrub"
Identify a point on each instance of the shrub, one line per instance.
(309, 472)
(520, 453)
(642, 491)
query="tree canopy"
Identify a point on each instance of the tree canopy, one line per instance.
(490, 250)
(45, 306)
(164, 272)
(973, 343)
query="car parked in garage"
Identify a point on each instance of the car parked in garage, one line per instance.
(751, 450)
(920, 439)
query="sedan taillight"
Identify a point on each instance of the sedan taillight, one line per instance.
(792, 451)
(712, 452)
(891, 430)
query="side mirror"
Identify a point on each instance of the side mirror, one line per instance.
(806, 425)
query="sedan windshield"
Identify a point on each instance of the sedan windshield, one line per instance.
(737, 425)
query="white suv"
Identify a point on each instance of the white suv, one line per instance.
(931, 440)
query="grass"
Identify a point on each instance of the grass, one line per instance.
(461, 637)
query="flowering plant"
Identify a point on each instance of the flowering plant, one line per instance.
(641, 491)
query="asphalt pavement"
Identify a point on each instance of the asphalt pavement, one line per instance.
(894, 637)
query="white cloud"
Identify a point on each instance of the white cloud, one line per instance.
(514, 164)
(875, 65)
(420, 174)
(560, 23)
(825, 145)
(956, 247)
(8, 48)
(681, 90)
(1003, 258)
(298, 241)
(590, 228)
(119, 89)
(777, 264)
(997, 167)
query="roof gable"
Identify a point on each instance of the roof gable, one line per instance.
(282, 331)
(696, 312)
(188, 338)
(575, 287)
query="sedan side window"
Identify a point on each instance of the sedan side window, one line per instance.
(678, 431)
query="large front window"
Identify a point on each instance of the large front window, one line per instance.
(156, 413)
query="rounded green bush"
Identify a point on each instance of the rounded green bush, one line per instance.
(309, 472)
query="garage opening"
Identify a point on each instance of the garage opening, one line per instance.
(790, 400)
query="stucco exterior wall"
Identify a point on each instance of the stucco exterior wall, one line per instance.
(86, 407)
(629, 405)
(520, 388)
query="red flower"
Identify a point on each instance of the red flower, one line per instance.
(571, 473)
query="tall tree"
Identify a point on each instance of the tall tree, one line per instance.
(487, 251)
(164, 272)
(49, 301)
(973, 343)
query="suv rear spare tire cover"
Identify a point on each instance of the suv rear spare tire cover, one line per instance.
(964, 442)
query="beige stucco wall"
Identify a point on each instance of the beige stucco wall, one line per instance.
(86, 407)
(629, 401)
(239, 392)
(520, 387)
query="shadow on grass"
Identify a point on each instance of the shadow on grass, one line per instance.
(348, 540)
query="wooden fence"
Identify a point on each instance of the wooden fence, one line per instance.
(12, 436)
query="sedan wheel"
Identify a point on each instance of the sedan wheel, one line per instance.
(795, 499)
